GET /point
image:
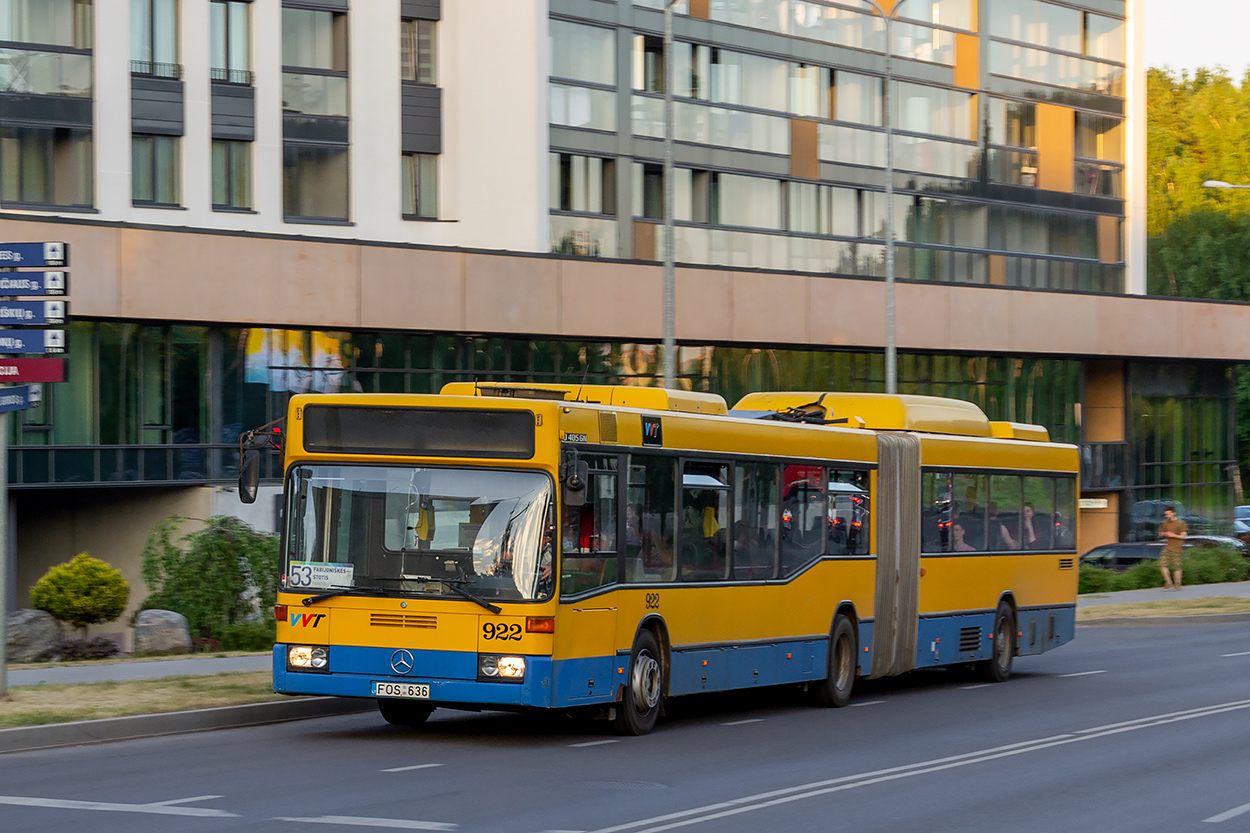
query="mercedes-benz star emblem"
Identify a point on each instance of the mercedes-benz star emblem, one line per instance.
(401, 661)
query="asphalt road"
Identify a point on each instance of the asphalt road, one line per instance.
(1126, 729)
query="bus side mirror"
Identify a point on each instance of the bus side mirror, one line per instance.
(249, 475)
(573, 485)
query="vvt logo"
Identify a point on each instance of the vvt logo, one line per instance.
(306, 620)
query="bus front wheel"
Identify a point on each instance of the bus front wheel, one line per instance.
(997, 668)
(835, 689)
(404, 712)
(640, 705)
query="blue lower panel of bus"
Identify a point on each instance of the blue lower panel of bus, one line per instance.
(451, 675)
(746, 666)
(947, 640)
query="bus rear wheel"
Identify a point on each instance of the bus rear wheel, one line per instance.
(835, 689)
(644, 687)
(404, 712)
(997, 668)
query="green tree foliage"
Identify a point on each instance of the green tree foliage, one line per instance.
(215, 576)
(82, 591)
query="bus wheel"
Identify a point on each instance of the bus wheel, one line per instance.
(403, 712)
(640, 706)
(997, 668)
(835, 689)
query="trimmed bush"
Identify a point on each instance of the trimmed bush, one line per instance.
(250, 636)
(1095, 580)
(1207, 566)
(98, 647)
(223, 574)
(82, 591)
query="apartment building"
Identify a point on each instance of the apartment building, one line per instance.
(280, 196)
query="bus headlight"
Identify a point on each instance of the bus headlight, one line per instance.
(308, 657)
(500, 669)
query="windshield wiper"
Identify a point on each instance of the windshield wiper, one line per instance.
(339, 591)
(454, 584)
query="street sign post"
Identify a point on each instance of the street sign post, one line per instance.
(33, 255)
(33, 341)
(19, 371)
(34, 283)
(34, 313)
(20, 398)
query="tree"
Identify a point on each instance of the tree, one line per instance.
(82, 591)
(215, 576)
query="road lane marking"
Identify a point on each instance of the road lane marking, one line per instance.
(1229, 814)
(978, 685)
(868, 703)
(114, 807)
(1238, 654)
(584, 744)
(410, 768)
(1083, 673)
(363, 821)
(174, 801)
(746, 804)
(744, 722)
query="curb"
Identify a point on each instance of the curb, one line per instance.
(1143, 621)
(25, 738)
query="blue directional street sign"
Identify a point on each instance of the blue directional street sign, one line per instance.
(20, 398)
(36, 313)
(33, 341)
(34, 283)
(33, 255)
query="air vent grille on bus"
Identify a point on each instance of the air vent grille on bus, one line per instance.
(1067, 563)
(607, 427)
(969, 640)
(402, 620)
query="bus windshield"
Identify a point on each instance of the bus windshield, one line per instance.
(419, 530)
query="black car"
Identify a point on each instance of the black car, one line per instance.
(1213, 541)
(1120, 557)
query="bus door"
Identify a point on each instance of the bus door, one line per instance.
(897, 597)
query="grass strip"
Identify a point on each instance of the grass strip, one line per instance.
(1166, 607)
(41, 704)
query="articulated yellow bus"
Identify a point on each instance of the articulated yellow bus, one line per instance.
(562, 546)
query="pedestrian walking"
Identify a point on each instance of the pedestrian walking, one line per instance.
(1173, 531)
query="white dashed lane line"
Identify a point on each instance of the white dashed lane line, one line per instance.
(869, 703)
(1238, 654)
(364, 821)
(744, 722)
(584, 744)
(410, 768)
(1083, 673)
(978, 685)
(1233, 813)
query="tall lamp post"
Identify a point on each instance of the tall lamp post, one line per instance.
(888, 9)
(1215, 183)
(670, 291)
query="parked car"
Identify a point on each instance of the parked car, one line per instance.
(1120, 557)
(1213, 541)
(1146, 515)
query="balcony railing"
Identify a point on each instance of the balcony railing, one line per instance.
(138, 465)
(1105, 467)
(36, 72)
(156, 69)
(243, 77)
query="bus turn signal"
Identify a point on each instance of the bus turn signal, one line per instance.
(540, 624)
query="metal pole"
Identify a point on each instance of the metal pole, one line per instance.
(891, 356)
(4, 554)
(670, 323)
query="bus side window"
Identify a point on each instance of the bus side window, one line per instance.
(704, 513)
(803, 515)
(653, 492)
(756, 515)
(588, 533)
(850, 513)
(935, 509)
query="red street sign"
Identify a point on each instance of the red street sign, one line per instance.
(32, 370)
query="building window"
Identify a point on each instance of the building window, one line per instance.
(583, 183)
(314, 39)
(154, 38)
(314, 182)
(232, 174)
(56, 22)
(420, 186)
(45, 165)
(154, 170)
(417, 50)
(231, 42)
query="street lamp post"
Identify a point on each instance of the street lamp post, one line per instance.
(670, 291)
(888, 9)
(1215, 183)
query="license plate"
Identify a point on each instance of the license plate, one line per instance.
(412, 691)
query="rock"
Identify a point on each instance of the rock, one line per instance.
(32, 635)
(161, 632)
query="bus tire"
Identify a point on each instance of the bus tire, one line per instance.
(644, 687)
(404, 712)
(997, 668)
(834, 691)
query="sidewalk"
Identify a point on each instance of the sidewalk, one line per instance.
(1236, 589)
(138, 669)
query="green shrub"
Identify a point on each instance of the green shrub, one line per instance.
(1213, 566)
(216, 576)
(98, 647)
(1141, 576)
(82, 591)
(250, 636)
(1096, 579)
